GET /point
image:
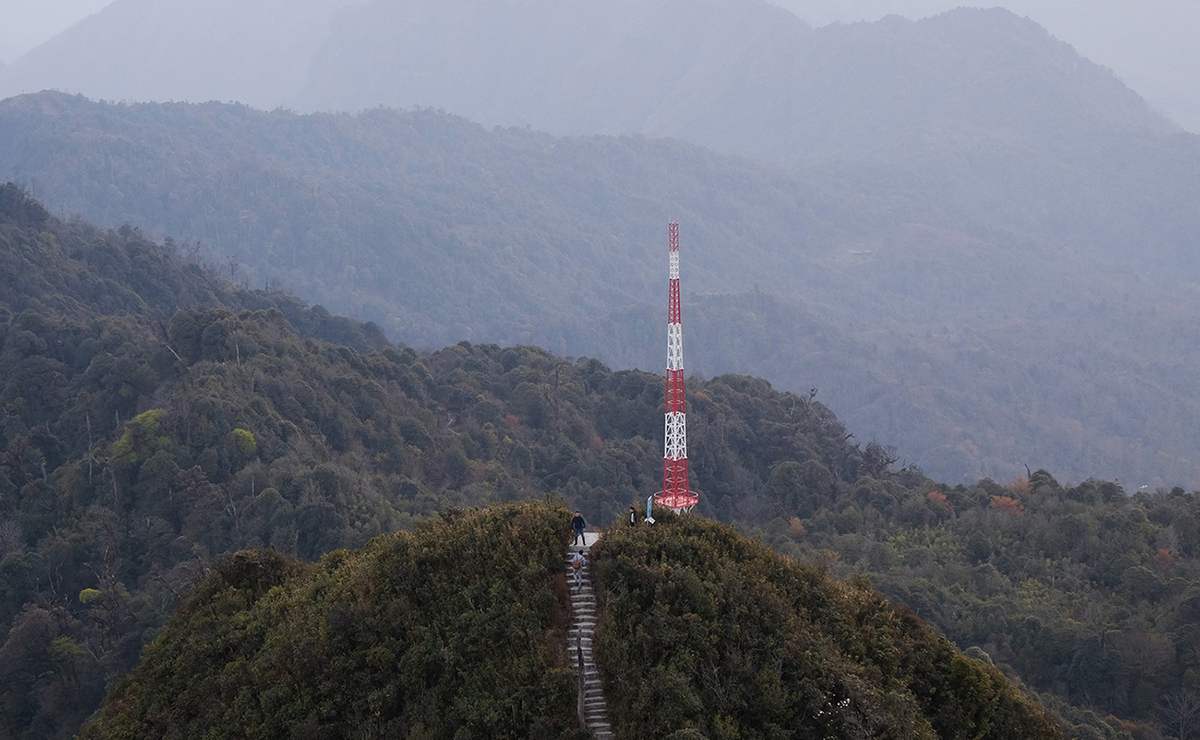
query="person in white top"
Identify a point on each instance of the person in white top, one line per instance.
(578, 561)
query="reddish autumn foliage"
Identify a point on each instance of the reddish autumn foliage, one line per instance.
(1007, 504)
(937, 498)
(1021, 487)
(796, 527)
(1164, 558)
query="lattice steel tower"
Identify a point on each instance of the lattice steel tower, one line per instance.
(676, 493)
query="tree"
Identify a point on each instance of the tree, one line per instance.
(1180, 712)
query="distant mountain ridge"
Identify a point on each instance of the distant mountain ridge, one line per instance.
(248, 50)
(915, 315)
(739, 76)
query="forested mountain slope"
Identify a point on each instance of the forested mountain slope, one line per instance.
(455, 630)
(739, 75)
(139, 442)
(706, 631)
(964, 343)
(736, 75)
(458, 630)
(154, 418)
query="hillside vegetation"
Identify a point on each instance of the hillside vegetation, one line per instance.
(154, 418)
(455, 630)
(952, 333)
(704, 630)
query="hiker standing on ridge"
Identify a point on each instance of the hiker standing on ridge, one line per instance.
(633, 516)
(578, 524)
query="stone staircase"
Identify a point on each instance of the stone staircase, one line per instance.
(593, 709)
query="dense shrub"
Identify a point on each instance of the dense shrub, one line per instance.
(454, 630)
(704, 629)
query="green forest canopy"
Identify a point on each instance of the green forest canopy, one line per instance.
(128, 373)
(454, 630)
(459, 630)
(953, 307)
(704, 630)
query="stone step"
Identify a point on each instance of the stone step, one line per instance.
(580, 639)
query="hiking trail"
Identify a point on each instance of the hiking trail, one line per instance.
(593, 709)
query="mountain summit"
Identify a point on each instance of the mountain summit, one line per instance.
(740, 76)
(457, 630)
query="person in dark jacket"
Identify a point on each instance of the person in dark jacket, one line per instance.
(578, 524)
(633, 516)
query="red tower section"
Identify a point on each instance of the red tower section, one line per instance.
(676, 493)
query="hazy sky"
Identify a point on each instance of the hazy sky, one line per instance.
(1151, 44)
(28, 23)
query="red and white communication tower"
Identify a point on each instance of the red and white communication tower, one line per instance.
(676, 493)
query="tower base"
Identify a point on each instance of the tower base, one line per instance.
(679, 502)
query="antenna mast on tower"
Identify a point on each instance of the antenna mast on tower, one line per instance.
(676, 493)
